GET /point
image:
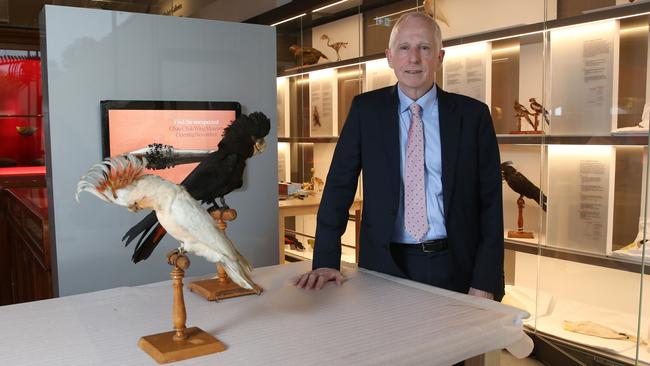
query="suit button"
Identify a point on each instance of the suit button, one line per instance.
(392, 211)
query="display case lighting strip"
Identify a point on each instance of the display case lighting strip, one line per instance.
(327, 6)
(338, 67)
(288, 20)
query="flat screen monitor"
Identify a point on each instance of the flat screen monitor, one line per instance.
(129, 126)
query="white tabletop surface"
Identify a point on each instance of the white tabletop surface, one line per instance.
(372, 319)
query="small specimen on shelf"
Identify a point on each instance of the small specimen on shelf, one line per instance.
(316, 183)
(293, 242)
(525, 188)
(336, 46)
(538, 109)
(316, 117)
(217, 175)
(432, 9)
(522, 112)
(122, 181)
(597, 330)
(306, 55)
(26, 130)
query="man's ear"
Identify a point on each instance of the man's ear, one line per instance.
(441, 57)
(389, 57)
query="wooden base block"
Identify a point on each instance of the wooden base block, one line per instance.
(526, 132)
(162, 347)
(520, 234)
(214, 289)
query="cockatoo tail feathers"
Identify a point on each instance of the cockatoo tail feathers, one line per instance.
(105, 178)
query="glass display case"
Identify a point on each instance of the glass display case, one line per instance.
(21, 127)
(22, 152)
(568, 88)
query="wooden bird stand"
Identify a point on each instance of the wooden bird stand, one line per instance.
(221, 287)
(520, 233)
(525, 114)
(181, 343)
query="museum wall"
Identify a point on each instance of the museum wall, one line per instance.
(93, 55)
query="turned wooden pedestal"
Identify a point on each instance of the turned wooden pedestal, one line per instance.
(520, 233)
(181, 343)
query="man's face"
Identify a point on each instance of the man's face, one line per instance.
(414, 57)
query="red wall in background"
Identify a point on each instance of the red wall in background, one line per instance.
(21, 109)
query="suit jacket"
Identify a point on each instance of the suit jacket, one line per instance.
(471, 186)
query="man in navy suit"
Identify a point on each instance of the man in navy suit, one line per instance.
(457, 242)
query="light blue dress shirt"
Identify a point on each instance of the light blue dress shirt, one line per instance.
(432, 163)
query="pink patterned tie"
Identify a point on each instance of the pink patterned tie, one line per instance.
(415, 202)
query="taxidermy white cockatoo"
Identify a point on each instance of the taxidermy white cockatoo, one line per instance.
(121, 180)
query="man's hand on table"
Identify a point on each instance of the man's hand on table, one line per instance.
(480, 293)
(317, 278)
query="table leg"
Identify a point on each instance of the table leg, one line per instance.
(281, 238)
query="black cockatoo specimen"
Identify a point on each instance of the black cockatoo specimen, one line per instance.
(539, 109)
(217, 175)
(521, 185)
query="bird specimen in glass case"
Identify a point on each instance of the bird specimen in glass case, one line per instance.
(26, 130)
(217, 175)
(336, 46)
(522, 112)
(306, 55)
(521, 185)
(539, 109)
(121, 180)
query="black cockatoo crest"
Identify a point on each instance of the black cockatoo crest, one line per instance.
(216, 176)
(521, 185)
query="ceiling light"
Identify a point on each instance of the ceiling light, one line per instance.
(290, 19)
(327, 6)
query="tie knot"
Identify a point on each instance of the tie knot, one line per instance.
(415, 109)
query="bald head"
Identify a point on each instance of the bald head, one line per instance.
(433, 26)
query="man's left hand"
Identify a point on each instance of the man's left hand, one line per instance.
(480, 293)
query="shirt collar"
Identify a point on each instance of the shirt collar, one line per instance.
(426, 101)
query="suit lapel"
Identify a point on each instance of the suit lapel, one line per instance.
(450, 129)
(388, 112)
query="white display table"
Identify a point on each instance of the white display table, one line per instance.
(372, 319)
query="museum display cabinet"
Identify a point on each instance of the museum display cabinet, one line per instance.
(25, 245)
(568, 87)
(24, 237)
